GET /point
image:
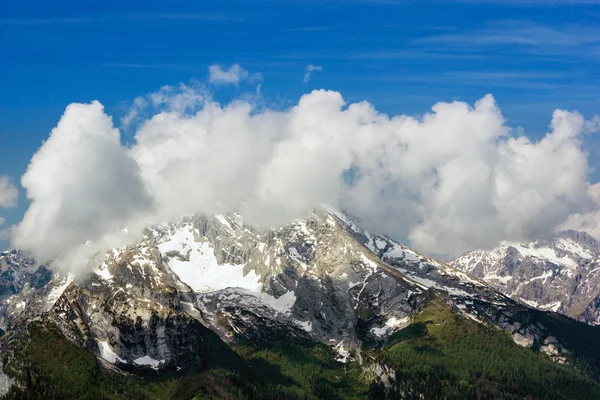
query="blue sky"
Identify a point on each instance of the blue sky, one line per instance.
(402, 56)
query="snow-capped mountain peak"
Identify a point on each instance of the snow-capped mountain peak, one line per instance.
(320, 278)
(560, 274)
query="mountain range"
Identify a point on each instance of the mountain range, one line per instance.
(561, 273)
(211, 307)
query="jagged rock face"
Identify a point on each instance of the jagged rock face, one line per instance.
(311, 274)
(24, 283)
(153, 304)
(135, 311)
(561, 274)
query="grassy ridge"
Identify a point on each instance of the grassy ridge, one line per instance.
(445, 355)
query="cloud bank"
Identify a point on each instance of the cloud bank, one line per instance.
(83, 187)
(455, 179)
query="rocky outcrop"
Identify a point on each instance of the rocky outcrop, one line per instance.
(6, 382)
(560, 274)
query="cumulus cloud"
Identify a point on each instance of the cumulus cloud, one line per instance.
(455, 179)
(232, 76)
(9, 194)
(588, 218)
(83, 187)
(309, 70)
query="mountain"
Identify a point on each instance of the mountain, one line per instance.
(211, 307)
(560, 274)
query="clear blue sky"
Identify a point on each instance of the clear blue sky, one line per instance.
(402, 56)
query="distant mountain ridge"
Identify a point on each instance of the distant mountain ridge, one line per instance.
(560, 274)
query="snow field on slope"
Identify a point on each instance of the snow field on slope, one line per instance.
(203, 274)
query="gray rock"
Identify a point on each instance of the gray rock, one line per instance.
(560, 274)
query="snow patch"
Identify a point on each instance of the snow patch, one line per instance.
(305, 325)
(147, 360)
(368, 262)
(379, 331)
(282, 304)
(390, 325)
(107, 353)
(343, 355)
(543, 253)
(56, 292)
(342, 216)
(497, 278)
(221, 218)
(401, 252)
(575, 249)
(428, 283)
(295, 255)
(104, 273)
(202, 272)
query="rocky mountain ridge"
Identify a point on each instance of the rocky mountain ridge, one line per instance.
(157, 304)
(560, 274)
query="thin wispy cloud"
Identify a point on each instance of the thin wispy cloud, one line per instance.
(125, 65)
(309, 29)
(309, 70)
(382, 54)
(534, 80)
(133, 65)
(492, 76)
(519, 36)
(122, 18)
(411, 54)
(529, 3)
(507, 3)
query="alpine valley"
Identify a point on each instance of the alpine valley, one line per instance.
(209, 307)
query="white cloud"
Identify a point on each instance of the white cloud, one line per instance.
(588, 218)
(83, 187)
(232, 76)
(9, 194)
(180, 98)
(2, 221)
(450, 181)
(309, 70)
(453, 180)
